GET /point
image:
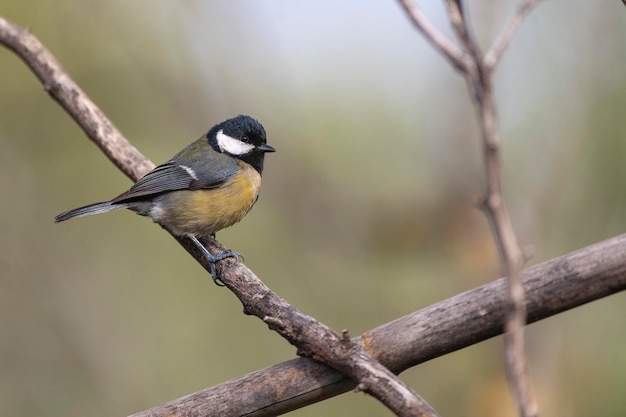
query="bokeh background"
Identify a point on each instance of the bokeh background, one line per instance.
(366, 213)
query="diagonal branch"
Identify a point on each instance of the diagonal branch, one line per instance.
(74, 101)
(502, 41)
(311, 337)
(552, 287)
(315, 340)
(457, 20)
(438, 40)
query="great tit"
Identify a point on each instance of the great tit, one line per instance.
(211, 184)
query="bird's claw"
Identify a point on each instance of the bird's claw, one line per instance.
(213, 259)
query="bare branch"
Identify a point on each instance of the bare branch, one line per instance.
(462, 30)
(319, 342)
(75, 102)
(502, 41)
(437, 39)
(479, 79)
(504, 234)
(312, 338)
(552, 287)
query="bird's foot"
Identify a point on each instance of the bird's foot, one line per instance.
(213, 259)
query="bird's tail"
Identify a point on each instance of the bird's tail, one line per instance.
(95, 208)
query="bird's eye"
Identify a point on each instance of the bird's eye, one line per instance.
(245, 139)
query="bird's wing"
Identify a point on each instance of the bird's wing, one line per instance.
(172, 176)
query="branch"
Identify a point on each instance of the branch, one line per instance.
(315, 340)
(74, 101)
(510, 253)
(457, 20)
(502, 41)
(438, 40)
(311, 337)
(478, 74)
(552, 287)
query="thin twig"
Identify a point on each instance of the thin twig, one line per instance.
(437, 39)
(462, 30)
(502, 41)
(311, 337)
(504, 234)
(479, 79)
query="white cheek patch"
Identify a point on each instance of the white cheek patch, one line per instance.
(231, 145)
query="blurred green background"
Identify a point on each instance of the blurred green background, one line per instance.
(366, 211)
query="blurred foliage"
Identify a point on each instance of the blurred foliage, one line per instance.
(368, 202)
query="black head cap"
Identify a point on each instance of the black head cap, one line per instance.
(241, 137)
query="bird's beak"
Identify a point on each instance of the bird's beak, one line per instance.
(266, 148)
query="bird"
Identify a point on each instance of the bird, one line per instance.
(209, 185)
